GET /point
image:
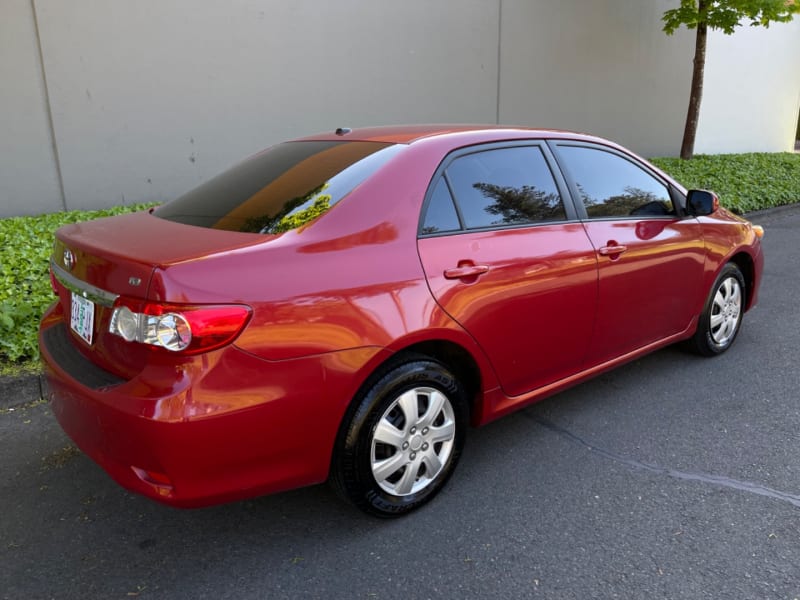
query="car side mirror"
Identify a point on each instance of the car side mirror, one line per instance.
(700, 203)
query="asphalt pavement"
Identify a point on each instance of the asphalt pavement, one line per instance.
(672, 477)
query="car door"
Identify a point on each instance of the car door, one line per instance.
(650, 257)
(505, 256)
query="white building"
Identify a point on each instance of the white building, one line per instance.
(107, 102)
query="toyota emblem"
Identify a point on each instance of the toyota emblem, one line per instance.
(69, 259)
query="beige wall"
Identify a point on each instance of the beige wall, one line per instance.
(752, 90)
(149, 98)
(602, 66)
(29, 182)
(152, 97)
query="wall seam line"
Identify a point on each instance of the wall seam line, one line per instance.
(499, 63)
(51, 125)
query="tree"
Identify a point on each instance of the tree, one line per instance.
(725, 15)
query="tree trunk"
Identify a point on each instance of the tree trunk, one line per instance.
(696, 94)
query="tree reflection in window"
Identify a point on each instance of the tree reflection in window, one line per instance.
(518, 205)
(295, 213)
(611, 185)
(633, 201)
(504, 186)
(299, 218)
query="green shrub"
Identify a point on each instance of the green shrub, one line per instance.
(25, 246)
(743, 182)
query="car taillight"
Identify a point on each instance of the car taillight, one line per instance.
(188, 329)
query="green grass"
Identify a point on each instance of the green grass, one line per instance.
(25, 245)
(744, 183)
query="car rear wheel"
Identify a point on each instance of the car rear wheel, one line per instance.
(722, 315)
(403, 439)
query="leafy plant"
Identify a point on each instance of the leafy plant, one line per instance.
(25, 293)
(743, 182)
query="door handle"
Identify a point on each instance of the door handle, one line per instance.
(465, 271)
(612, 249)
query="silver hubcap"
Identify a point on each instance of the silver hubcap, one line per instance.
(413, 441)
(725, 311)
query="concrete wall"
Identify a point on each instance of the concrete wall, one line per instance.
(152, 97)
(29, 181)
(139, 101)
(602, 66)
(752, 90)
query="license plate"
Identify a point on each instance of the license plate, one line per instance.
(82, 317)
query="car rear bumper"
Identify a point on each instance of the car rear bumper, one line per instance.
(211, 428)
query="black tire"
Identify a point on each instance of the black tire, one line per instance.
(402, 439)
(722, 315)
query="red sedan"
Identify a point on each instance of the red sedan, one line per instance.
(342, 307)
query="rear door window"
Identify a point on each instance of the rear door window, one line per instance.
(492, 188)
(441, 215)
(280, 189)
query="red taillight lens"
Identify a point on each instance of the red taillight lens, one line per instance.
(215, 326)
(188, 329)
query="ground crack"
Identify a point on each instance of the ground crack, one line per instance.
(744, 486)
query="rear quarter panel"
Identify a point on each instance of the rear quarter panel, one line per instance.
(351, 279)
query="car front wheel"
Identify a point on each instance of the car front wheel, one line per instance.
(722, 314)
(403, 440)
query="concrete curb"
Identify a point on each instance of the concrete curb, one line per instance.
(16, 390)
(775, 211)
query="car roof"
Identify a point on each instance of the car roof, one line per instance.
(407, 134)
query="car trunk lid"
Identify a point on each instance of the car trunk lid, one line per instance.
(97, 261)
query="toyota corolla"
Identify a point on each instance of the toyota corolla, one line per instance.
(345, 306)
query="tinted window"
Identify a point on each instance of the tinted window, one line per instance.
(612, 186)
(506, 186)
(441, 214)
(281, 188)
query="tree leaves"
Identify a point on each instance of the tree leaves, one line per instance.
(727, 15)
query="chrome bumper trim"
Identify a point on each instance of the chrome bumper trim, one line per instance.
(81, 288)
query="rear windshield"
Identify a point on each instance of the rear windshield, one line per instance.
(281, 188)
